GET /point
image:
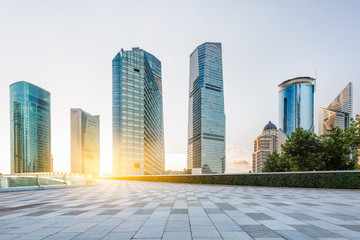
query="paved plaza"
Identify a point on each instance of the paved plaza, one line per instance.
(114, 209)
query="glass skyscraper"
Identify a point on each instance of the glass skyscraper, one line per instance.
(338, 113)
(85, 142)
(30, 129)
(206, 118)
(296, 105)
(138, 138)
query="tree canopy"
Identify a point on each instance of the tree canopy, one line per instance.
(305, 151)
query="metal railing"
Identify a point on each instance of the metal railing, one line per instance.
(43, 179)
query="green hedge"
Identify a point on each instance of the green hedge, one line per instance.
(328, 179)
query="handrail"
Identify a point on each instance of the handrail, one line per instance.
(43, 179)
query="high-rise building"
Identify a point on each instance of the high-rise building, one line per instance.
(30, 128)
(338, 113)
(85, 142)
(206, 119)
(264, 144)
(138, 138)
(296, 104)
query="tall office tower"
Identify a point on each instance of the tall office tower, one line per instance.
(85, 142)
(206, 119)
(138, 140)
(338, 113)
(30, 130)
(264, 144)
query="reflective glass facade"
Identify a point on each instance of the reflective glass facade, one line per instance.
(206, 119)
(85, 142)
(339, 112)
(30, 128)
(138, 141)
(296, 105)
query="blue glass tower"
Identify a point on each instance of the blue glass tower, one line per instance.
(206, 123)
(138, 141)
(296, 105)
(30, 128)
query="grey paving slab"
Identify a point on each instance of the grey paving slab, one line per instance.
(204, 232)
(150, 232)
(235, 235)
(149, 210)
(177, 227)
(259, 231)
(62, 236)
(119, 235)
(294, 235)
(177, 236)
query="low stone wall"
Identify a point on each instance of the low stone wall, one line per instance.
(323, 179)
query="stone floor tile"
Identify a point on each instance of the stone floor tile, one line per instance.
(177, 227)
(119, 236)
(235, 235)
(315, 231)
(150, 232)
(348, 234)
(79, 227)
(8, 236)
(276, 225)
(200, 221)
(294, 235)
(204, 232)
(128, 227)
(62, 236)
(177, 235)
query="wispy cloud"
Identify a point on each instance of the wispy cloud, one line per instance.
(241, 163)
(237, 151)
(238, 159)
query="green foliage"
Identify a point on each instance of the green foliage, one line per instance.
(302, 150)
(276, 163)
(176, 172)
(305, 151)
(337, 151)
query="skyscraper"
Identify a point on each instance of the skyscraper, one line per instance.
(296, 105)
(30, 129)
(85, 142)
(338, 113)
(206, 118)
(264, 144)
(138, 139)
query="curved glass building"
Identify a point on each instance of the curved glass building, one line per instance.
(296, 105)
(30, 128)
(206, 123)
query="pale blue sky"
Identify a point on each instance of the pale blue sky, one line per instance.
(66, 47)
